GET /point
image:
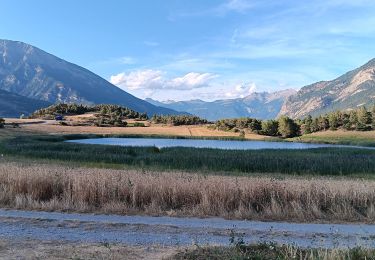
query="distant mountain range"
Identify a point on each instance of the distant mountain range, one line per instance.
(31, 78)
(352, 90)
(30, 72)
(258, 105)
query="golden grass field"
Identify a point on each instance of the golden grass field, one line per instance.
(51, 187)
(153, 129)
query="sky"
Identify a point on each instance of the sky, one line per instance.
(212, 49)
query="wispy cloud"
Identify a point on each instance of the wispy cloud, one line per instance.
(156, 79)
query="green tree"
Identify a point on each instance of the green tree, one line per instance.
(364, 117)
(2, 122)
(333, 121)
(353, 118)
(255, 125)
(270, 127)
(307, 125)
(323, 123)
(373, 117)
(287, 127)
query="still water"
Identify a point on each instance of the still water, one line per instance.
(199, 143)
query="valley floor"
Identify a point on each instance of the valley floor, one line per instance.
(64, 195)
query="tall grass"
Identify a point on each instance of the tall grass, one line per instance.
(49, 187)
(272, 251)
(323, 161)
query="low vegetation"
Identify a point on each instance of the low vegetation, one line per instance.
(2, 122)
(105, 115)
(50, 187)
(270, 251)
(322, 161)
(177, 120)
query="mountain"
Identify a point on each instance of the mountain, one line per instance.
(261, 105)
(33, 73)
(352, 90)
(13, 105)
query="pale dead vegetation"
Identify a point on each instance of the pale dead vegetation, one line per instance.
(48, 187)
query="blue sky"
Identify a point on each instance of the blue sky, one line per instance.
(180, 50)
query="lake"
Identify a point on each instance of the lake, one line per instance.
(200, 143)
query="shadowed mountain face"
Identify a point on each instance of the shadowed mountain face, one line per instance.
(33, 73)
(13, 105)
(262, 105)
(352, 90)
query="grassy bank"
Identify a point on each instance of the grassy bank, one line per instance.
(274, 252)
(49, 187)
(356, 138)
(324, 161)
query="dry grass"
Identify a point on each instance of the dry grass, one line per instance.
(48, 187)
(151, 129)
(343, 133)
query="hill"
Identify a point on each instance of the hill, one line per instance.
(261, 105)
(33, 73)
(350, 91)
(13, 105)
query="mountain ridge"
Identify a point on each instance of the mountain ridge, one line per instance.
(31, 72)
(349, 91)
(13, 105)
(262, 105)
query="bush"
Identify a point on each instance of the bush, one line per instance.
(138, 124)
(177, 120)
(270, 127)
(2, 122)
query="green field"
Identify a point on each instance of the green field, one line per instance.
(322, 161)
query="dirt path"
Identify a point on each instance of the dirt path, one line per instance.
(174, 232)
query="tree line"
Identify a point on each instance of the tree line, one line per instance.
(79, 109)
(359, 119)
(177, 120)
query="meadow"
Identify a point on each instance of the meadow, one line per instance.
(322, 161)
(360, 138)
(36, 186)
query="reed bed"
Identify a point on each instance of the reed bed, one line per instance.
(323, 161)
(52, 187)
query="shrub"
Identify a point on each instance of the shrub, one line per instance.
(2, 122)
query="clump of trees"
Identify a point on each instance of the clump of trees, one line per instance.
(177, 120)
(2, 122)
(359, 119)
(236, 124)
(112, 111)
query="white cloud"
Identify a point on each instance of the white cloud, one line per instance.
(191, 80)
(156, 79)
(241, 90)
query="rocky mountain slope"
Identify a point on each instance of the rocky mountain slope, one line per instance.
(352, 90)
(261, 105)
(33, 73)
(13, 105)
